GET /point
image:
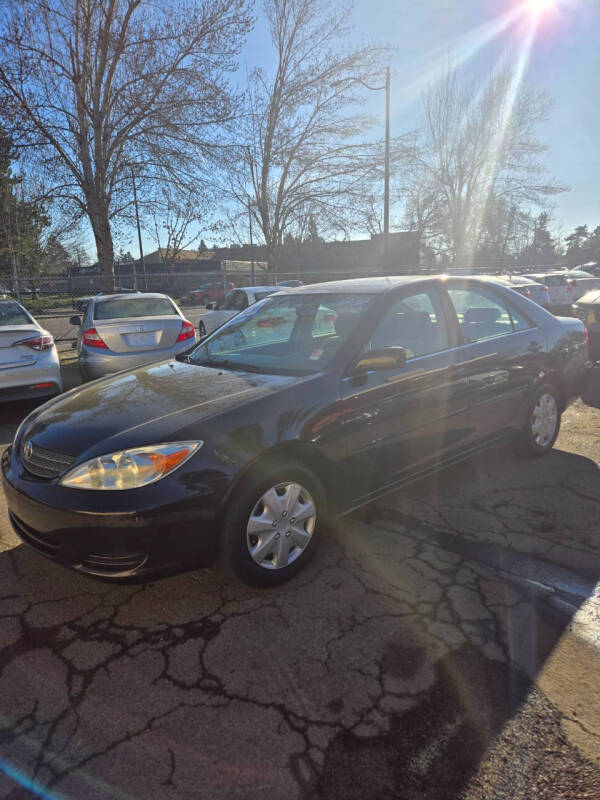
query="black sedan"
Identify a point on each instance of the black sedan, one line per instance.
(587, 308)
(311, 402)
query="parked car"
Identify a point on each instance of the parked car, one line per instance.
(313, 402)
(591, 267)
(561, 289)
(124, 331)
(587, 309)
(230, 305)
(538, 292)
(208, 293)
(583, 282)
(290, 283)
(29, 365)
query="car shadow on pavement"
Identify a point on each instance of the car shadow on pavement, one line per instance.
(422, 654)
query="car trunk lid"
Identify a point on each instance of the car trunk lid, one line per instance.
(13, 354)
(138, 335)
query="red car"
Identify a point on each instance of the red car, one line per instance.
(208, 293)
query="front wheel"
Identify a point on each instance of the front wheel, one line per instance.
(542, 424)
(273, 525)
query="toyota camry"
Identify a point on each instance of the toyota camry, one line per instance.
(309, 403)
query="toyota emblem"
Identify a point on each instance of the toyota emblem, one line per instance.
(27, 449)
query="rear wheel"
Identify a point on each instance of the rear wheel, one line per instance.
(273, 525)
(542, 424)
(201, 329)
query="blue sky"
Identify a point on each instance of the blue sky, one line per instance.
(564, 61)
(426, 35)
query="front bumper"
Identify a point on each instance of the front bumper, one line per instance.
(124, 544)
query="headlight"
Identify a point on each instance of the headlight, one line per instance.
(130, 469)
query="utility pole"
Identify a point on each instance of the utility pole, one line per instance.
(251, 245)
(139, 230)
(386, 190)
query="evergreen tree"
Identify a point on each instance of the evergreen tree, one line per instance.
(576, 246)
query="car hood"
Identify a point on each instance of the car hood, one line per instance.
(143, 406)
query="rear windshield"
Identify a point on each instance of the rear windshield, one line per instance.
(13, 314)
(121, 308)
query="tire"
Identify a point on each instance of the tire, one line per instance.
(201, 329)
(542, 423)
(255, 533)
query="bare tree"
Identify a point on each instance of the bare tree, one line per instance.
(478, 148)
(304, 153)
(178, 219)
(95, 86)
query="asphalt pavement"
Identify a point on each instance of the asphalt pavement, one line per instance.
(444, 643)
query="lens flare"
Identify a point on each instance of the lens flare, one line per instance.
(540, 7)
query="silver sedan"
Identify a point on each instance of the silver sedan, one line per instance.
(29, 365)
(127, 330)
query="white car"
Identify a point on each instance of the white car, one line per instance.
(231, 304)
(29, 365)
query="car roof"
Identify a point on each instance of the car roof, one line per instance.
(256, 289)
(593, 296)
(380, 285)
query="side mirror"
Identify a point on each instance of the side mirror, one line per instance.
(210, 306)
(378, 360)
(75, 321)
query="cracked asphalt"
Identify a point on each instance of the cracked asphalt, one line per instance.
(444, 643)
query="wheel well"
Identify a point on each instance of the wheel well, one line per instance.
(303, 453)
(557, 380)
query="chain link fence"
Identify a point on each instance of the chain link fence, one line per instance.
(54, 298)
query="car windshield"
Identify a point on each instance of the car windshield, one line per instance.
(123, 308)
(13, 314)
(290, 334)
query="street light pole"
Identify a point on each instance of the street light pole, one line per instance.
(139, 230)
(386, 190)
(386, 186)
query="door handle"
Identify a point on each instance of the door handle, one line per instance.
(534, 347)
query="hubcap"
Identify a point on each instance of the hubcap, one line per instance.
(281, 525)
(544, 420)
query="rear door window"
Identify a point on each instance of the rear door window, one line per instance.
(482, 315)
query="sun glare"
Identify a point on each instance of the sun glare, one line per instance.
(540, 7)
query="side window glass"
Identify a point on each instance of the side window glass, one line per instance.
(416, 323)
(324, 322)
(480, 315)
(519, 320)
(238, 301)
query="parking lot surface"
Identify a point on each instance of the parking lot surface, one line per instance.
(444, 643)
